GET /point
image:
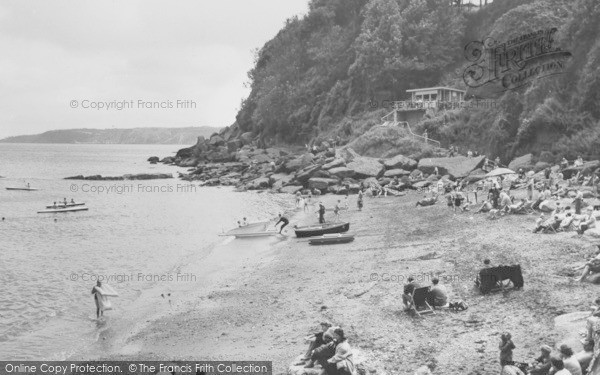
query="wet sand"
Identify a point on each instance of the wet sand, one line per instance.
(261, 305)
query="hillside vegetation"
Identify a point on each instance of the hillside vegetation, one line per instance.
(318, 77)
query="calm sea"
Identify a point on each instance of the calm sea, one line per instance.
(134, 233)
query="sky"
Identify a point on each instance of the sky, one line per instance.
(123, 64)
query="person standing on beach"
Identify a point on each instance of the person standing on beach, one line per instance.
(97, 294)
(360, 200)
(336, 210)
(506, 349)
(321, 213)
(284, 220)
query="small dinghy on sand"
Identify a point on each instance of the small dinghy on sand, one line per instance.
(327, 239)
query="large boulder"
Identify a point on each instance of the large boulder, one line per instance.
(290, 189)
(321, 183)
(259, 183)
(219, 154)
(458, 166)
(342, 172)
(400, 162)
(246, 138)
(262, 158)
(337, 162)
(396, 173)
(299, 162)
(216, 140)
(308, 172)
(280, 177)
(364, 167)
(525, 162)
(347, 154)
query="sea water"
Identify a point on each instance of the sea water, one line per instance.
(135, 235)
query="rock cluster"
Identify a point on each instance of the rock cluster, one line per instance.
(320, 171)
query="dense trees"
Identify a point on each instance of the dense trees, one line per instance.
(318, 74)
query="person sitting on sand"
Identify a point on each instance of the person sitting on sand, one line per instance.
(539, 223)
(239, 224)
(591, 267)
(516, 207)
(427, 201)
(409, 288)
(438, 294)
(485, 207)
(506, 349)
(505, 200)
(558, 367)
(342, 362)
(321, 354)
(589, 221)
(566, 224)
(542, 363)
(245, 222)
(584, 357)
(316, 340)
(284, 220)
(569, 361)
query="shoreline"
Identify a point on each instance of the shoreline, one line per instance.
(268, 309)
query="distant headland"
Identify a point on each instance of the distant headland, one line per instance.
(187, 135)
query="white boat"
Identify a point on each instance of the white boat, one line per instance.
(261, 229)
(66, 209)
(22, 188)
(257, 234)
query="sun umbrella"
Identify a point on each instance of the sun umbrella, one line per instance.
(499, 172)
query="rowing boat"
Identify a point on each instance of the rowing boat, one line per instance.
(321, 229)
(21, 188)
(264, 233)
(331, 239)
(66, 209)
(68, 205)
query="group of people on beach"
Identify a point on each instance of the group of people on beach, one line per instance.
(563, 361)
(329, 349)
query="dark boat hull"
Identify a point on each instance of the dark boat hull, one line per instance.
(319, 230)
(331, 239)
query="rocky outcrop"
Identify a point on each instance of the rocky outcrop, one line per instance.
(525, 162)
(400, 162)
(321, 183)
(342, 172)
(396, 173)
(365, 167)
(456, 167)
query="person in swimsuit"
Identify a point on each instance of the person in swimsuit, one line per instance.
(284, 220)
(97, 295)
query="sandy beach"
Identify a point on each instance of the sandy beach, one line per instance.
(267, 303)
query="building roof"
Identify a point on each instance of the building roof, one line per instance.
(435, 88)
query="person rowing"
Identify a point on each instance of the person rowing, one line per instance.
(284, 220)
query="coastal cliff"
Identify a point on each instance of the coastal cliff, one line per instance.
(334, 73)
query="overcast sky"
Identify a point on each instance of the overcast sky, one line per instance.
(61, 56)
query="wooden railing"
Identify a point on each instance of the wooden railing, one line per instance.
(386, 121)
